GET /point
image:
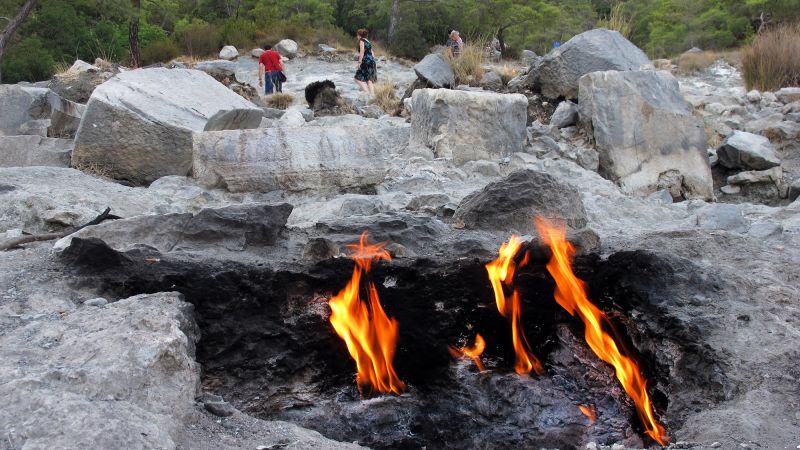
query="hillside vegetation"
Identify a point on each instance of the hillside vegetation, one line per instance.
(59, 31)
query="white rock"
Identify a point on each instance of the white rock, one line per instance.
(468, 126)
(788, 95)
(287, 48)
(772, 175)
(256, 52)
(566, 114)
(25, 151)
(138, 125)
(229, 53)
(754, 96)
(743, 150)
(82, 66)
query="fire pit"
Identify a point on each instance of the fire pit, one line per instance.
(268, 347)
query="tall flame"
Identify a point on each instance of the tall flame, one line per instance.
(371, 337)
(501, 272)
(473, 352)
(571, 295)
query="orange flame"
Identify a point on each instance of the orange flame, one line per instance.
(571, 295)
(473, 352)
(371, 337)
(501, 272)
(590, 412)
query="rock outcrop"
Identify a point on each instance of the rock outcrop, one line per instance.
(229, 53)
(318, 158)
(287, 48)
(138, 126)
(128, 367)
(467, 126)
(557, 73)
(646, 137)
(435, 71)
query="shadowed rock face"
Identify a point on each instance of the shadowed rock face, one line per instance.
(646, 137)
(138, 126)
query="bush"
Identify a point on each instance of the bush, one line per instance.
(280, 100)
(197, 38)
(28, 60)
(159, 51)
(239, 33)
(468, 68)
(772, 61)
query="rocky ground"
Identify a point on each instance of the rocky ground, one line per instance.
(707, 276)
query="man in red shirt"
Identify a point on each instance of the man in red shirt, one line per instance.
(269, 64)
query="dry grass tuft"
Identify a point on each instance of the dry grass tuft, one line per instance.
(772, 61)
(189, 60)
(280, 100)
(618, 21)
(507, 74)
(93, 168)
(386, 98)
(689, 63)
(468, 68)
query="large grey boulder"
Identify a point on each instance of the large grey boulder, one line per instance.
(743, 150)
(121, 375)
(24, 105)
(316, 158)
(218, 68)
(25, 151)
(287, 48)
(436, 71)
(645, 134)
(512, 202)
(467, 126)
(232, 228)
(138, 126)
(558, 72)
(78, 83)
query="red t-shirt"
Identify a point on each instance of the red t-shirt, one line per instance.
(271, 60)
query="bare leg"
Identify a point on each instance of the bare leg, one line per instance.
(371, 88)
(363, 86)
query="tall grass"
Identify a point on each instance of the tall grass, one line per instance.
(468, 67)
(617, 21)
(689, 63)
(772, 61)
(386, 98)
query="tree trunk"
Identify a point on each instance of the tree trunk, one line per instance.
(394, 18)
(501, 41)
(133, 33)
(8, 32)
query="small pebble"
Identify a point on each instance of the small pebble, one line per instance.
(617, 447)
(99, 301)
(716, 445)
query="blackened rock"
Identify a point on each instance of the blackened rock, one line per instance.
(511, 203)
(222, 409)
(314, 89)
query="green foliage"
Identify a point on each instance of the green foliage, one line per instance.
(197, 38)
(159, 51)
(28, 60)
(240, 33)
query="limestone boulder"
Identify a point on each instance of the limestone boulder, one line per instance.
(138, 126)
(26, 151)
(565, 115)
(743, 150)
(228, 53)
(121, 375)
(646, 137)
(558, 72)
(435, 71)
(492, 81)
(287, 48)
(468, 126)
(788, 95)
(23, 105)
(309, 157)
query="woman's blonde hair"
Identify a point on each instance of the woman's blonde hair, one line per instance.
(362, 32)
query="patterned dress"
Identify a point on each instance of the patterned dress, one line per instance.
(368, 70)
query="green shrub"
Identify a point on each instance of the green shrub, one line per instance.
(159, 51)
(239, 33)
(27, 60)
(772, 61)
(197, 38)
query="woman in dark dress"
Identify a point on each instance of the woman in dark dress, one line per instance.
(366, 69)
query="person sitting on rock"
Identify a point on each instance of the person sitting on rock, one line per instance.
(269, 68)
(366, 69)
(455, 45)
